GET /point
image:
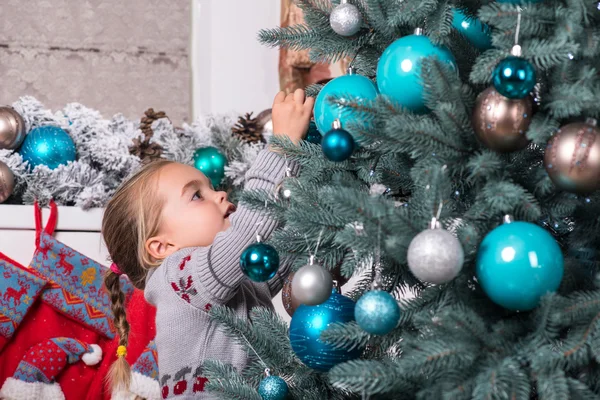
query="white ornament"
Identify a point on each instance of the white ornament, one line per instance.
(345, 19)
(435, 256)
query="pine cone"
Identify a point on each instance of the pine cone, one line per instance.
(143, 148)
(248, 129)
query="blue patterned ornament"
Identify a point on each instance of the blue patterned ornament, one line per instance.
(517, 263)
(514, 77)
(399, 69)
(273, 388)
(477, 33)
(259, 261)
(48, 145)
(351, 87)
(377, 312)
(337, 144)
(212, 163)
(307, 325)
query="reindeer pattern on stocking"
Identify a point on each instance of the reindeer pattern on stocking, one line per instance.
(18, 290)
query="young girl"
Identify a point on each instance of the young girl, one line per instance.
(177, 238)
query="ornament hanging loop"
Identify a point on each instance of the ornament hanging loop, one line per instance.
(418, 31)
(435, 221)
(508, 219)
(267, 372)
(337, 124)
(516, 49)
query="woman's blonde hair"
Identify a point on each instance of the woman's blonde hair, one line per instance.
(131, 217)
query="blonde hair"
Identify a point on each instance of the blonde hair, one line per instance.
(131, 217)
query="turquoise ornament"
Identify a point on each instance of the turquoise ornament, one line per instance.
(313, 135)
(351, 87)
(517, 263)
(377, 312)
(399, 70)
(211, 162)
(514, 77)
(308, 322)
(476, 32)
(259, 262)
(48, 145)
(273, 388)
(338, 144)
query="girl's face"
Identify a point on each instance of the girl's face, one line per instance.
(193, 212)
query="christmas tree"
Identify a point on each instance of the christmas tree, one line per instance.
(459, 118)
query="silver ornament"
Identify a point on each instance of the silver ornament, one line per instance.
(435, 256)
(312, 285)
(345, 19)
(7, 182)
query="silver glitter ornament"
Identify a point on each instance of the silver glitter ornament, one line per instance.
(345, 19)
(312, 285)
(435, 256)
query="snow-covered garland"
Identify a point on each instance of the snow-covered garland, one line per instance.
(103, 157)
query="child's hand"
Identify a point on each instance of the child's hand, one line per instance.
(291, 114)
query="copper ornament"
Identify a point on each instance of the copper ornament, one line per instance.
(500, 123)
(7, 182)
(572, 158)
(12, 128)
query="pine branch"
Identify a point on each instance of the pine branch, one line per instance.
(225, 383)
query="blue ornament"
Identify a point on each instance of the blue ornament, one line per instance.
(273, 388)
(514, 77)
(352, 87)
(338, 145)
(517, 263)
(377, 312)
(313, 135)
(212, 163)
(308, 322)
(399, 70)
(259, 262)
(477, 33)
(48, 145)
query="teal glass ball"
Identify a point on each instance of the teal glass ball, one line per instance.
(259, 262)
(273, 388)
(211, 162)
(399, 70)
(514, 77)
(338, 145)
(476, 32)
(352, 87)
(517, 263)
(377, 312)
(48, 145)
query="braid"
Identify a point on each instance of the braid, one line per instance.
(119, 375)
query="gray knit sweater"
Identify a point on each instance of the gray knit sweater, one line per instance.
(189, 282)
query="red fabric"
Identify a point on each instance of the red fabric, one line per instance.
(141, 317)
(41, 324)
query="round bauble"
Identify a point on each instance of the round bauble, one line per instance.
(517, 263)
(435, 256)
(307, 325)
(259, 262)
(311, 285)
(211, 162)
(399, 70)
(572, 158)
(345, 19)
(514, 77)
(352, 87)
(477, 33)
(48, 145)
(377, 312)
(501, 123)
(338, 145)
(7, 182)
(273, 388)
(12, 128)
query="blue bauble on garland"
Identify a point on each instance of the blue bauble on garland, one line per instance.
(259, 262)
(514, 77)
(352, 87)
(212, 163)
(399, 70)
(48, 145)
(517, 263)
(477, 33)
(377, 312)
(273, 388)
(307, 325)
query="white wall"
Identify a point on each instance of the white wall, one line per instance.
(231, 70)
